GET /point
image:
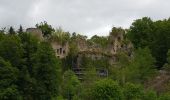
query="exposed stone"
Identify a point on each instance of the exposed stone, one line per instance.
(61, 50)
(35, 32)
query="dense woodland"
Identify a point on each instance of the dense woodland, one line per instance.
(29, 69)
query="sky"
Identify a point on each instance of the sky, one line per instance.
(86, 17)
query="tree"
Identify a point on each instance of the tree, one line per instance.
(102, 41)
(116, 31)
(27, 82)
(46, 28)
(150, 95)
(168, 56)
(140, 32)
(160, 44)
(29, 45)
(70, 85)
(11, 50)
(167, 65)
(60, 36)
(8, 79)
(133, 92)
(164, 96)
(142, 66)
(137, 69)
(46, 71)
(154, 35)
(106, 89)
(12, 31)
(120, 71)
(20, 30)
(2, 30)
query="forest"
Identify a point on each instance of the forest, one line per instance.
(30, 70)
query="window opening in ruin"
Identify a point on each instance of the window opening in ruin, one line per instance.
(103, 73)
(60, 50)
(114, 49)
(119, 39)
(64, 51)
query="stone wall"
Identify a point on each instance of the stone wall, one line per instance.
(35, 32)
(61, 50)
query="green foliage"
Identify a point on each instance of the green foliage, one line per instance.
(100, 40)
(20, 30)
(155, 35)
(60, 36)
(167, 65)
(58, 98)
(160, 44)
(2, 30)
(8, 79)
(29, 69)
(29, 45)
(165, 96)
(46, 70)
(27, 82)
(106, 89)
(116, 31)
(46, 28)
(140, 32)
(8, 45)
(142, 66)
(133, 92)
(88, 62)
(136, 70)
(70, 85)
(120, 71)
(150, 95)
(168, 56)
(11, 31)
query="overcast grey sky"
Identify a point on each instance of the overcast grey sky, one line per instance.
(87, 17)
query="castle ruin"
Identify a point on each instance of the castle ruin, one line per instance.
(116, 44)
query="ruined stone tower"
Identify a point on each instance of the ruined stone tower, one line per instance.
(35, 32)
(116, 40)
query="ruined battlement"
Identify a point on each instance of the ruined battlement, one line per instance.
(61, 50)
(94, 51)
(35, 32)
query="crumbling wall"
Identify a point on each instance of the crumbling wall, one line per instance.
(61, 51)
(35, 32)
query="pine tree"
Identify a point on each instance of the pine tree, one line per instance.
(46, 72)
(11, 31)
(20, 30)
(8, 79)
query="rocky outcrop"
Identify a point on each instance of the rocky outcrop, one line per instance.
(160, 82)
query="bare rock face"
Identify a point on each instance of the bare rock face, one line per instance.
(159, 83)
